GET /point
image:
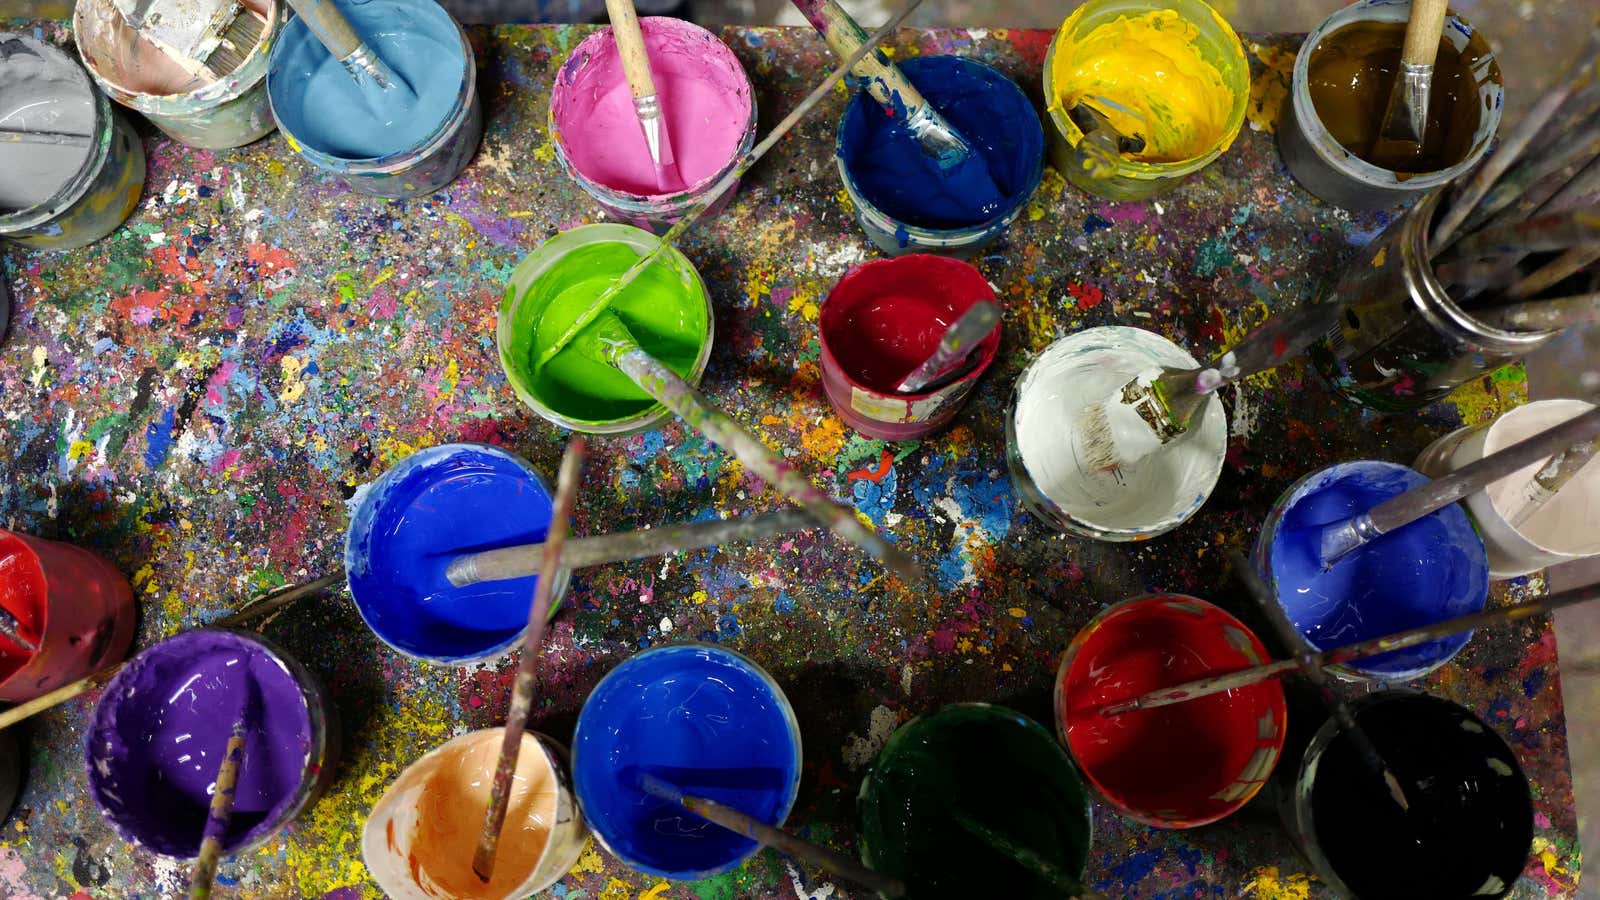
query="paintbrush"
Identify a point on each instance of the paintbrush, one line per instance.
(384, 90)
(11, 629)
(1569, 263)
(1405, 120)
(960, 339)
(494, 816)
(1313, 672)
(610, 342)
(1337, 539)
(1575, 149)
(521, 561)
(1102, 144)
(1070, 887)
(885, 83)
(602, 302)
(272, 602)
(208, 38)
(1557, 231)
(742, 823)
(1159, 404)
(1550, 479)
(1539, 315)
(646, 100)
(222, 798)
(1400, 640)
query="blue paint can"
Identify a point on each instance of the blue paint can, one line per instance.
(407, 526)
(699, 717)
(903, 200)
(1431, 570)
(328, 121)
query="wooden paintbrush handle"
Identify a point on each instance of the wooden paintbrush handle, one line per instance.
(329, 25)
(630, 44)
(56, 697)
(217, 818)
(1423, 32)
(887, 84)
(1477, 475)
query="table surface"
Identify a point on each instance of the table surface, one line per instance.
(198, 396)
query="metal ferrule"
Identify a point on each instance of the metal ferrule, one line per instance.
(364, 63)
(647, 107)
(1417, 80)
(936, 137)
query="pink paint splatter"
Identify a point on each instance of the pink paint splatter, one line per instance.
(1125, 213)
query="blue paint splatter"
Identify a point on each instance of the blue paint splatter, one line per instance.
(1095, 223)
(158, 439)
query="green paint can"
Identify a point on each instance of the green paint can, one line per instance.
(975, 800)
(666, 308)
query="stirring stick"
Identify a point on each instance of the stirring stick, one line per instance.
(1400, 640)
(1550, 479)
(762, 833)
(494, 817)
(960, 339)
(1071, 888)
(1559, 312)
(1340, 538)
(1314, 673)
(205, 865)
(12, 136)
(646, 100)
(521, 561)
(602, 302)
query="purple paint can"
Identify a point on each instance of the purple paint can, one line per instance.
(879, 323)
(159, 731)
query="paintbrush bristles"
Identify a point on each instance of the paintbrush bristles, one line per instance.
(494, 816)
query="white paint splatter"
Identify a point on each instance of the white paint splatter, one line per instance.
(822, 893)
(666, 625)
(859, 751)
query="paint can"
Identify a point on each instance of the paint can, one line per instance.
(1425, 572)
(420, 837)
(1197, 25)
(1402, 342)
(957, 795)
(667, 308)
(1470, 826)
(710, 108)
(1178, 766)
(1567, 527)
(433, 142)
(61, 197)
(475, 497)
(702, 718)
(1335, 173)
(71, 602)
(160, 729)
(881, 321)
(1148, 498)
(902, 199)
(229, 112)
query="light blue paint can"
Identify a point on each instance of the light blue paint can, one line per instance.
(396, 153)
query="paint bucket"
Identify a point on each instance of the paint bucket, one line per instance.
(1425, 572)
(902, 199)
(1402, 342)
(1178, 766)
(407, 525)
(700, 717)
(162, 725)
(879, 323)
(229, 112)
(69, 601)
(1148, 498)
(667, 308)
(1327, 168)
(420, 837)
(1132, 179)
(705, 95)
(956, 795)
(61, 197)
(1567, 527)
(340, 134)
(1470, 826)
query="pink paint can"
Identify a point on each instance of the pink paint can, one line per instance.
(879, 323)
(710, 117)
(69, 601)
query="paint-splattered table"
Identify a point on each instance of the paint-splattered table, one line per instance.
(198, 395)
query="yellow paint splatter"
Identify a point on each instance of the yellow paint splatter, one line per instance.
(1383, 254)
(545, 152)
(589, 860)
(655, 892)
(293, 387)
(1270, 89)
(804, 301)
(617, 889)
(79, 450)
(824, 441)
(1267, 884)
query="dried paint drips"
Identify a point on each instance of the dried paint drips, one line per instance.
(434, 505)
(890, 169)
(41, 90)
(1432, 569)
(1149, 64)
(1350, 75)
(160, 730)
(955, 794)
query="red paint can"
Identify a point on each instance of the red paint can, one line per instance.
(879, 323)
(1175, 766)
(71, 602)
